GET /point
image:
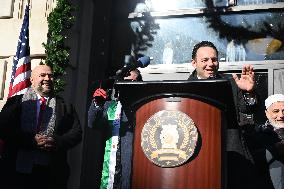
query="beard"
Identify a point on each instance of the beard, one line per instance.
(276, 125)
(44, 91)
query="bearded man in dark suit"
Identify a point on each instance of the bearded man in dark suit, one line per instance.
(38, 129)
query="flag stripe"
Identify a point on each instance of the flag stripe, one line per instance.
(106, 164)
(21, 77)
(23, 60)
(23, 68)
(23, 91)
(112, 161)
(20, 86)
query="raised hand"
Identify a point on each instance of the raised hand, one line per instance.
(246, 82)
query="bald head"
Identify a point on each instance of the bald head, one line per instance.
(42, 80)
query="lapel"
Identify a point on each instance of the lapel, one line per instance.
(29, 111)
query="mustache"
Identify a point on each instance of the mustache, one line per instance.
(46, 82)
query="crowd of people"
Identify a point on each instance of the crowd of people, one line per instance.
(39, 128)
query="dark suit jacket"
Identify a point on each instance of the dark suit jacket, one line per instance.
(67, 134)
(266, 137)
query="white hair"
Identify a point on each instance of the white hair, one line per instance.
(274, 98)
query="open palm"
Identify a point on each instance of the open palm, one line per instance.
(246, 82)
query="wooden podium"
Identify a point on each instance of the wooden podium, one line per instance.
(208, 103)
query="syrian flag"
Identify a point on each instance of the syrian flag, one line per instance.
(112, 147)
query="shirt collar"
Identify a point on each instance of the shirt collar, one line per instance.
(39, 97)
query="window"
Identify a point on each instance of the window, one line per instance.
(6, 8)
(248, 32)
(244, 31)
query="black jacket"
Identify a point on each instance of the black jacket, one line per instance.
(272, 140)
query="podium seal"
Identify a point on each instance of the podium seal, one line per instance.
(169, 138)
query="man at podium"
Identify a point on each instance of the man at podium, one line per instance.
(241, 168)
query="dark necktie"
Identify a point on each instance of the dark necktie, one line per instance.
(40, 115)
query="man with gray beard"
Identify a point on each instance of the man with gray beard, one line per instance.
(38, 128)
(275, 111)
(271, 136)
(266, 142)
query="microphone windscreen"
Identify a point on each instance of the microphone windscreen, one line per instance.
(143, 61)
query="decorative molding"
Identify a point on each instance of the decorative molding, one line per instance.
(3, 69)
(220, 10)
(223, 66)
(6, 8)
(49, 6)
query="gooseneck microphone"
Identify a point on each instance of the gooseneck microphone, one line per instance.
(142, 62)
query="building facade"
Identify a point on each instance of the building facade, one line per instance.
(105, 32)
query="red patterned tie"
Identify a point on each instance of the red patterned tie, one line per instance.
(40, 115)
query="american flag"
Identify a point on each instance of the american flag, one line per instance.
(21, 71)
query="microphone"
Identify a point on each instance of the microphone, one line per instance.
(142, 62)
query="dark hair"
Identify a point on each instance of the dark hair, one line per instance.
(202, 44)
(139, 76)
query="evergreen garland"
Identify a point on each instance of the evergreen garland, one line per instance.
(57, 53)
